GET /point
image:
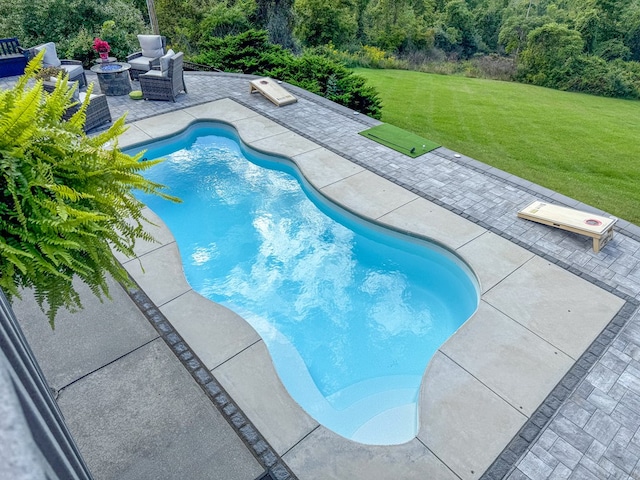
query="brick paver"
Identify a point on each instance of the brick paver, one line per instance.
(589, 427)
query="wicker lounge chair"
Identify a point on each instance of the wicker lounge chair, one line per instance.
(166, 83)
(73, 67)
(97, 112)
(152, 48)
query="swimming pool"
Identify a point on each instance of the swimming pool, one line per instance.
(351, 313)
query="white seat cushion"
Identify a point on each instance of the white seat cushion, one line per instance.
(83, 95)
(74, 71)
(50, 55)
(151, 45)
(155, 73)
(141, 63)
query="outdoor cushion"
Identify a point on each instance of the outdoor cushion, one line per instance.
(164, 60)
(151, 45)
(83, 95)
(74, 71)
(156, 73)
(50, 55)
(141, 63)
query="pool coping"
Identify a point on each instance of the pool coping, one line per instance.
(181, 124)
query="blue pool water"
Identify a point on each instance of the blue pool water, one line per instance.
(351, 313)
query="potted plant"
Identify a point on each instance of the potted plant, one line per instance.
(102, 47)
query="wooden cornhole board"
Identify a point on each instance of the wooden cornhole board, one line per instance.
(272, 90)
(595, 226)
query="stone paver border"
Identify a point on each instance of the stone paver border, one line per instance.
(532, 429)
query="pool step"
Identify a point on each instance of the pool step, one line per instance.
(393, 426)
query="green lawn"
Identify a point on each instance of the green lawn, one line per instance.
(583, 146)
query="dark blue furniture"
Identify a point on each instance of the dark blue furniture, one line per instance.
(13, 59)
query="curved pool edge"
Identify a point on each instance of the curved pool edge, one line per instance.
(282, 431)
(239, 359)
(345, 184)
(312, 180)
(301, 443)
(332, 170)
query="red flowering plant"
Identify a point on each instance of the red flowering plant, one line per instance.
(100, 45)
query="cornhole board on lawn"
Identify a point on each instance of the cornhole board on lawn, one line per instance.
(595, 226)
(272, 90)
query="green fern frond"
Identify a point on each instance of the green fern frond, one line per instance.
(17, 124)
(67, 193)
(66, 199)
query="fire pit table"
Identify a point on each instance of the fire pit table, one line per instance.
(113, 78)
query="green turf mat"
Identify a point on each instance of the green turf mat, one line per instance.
(400, 140)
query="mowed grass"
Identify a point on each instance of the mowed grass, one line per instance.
(583, 146)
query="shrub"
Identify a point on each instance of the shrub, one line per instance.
(122, 42)
(496, 67)
(613, 49)
(591, 74)
(250, 52)
(80, 48)
(377, 58)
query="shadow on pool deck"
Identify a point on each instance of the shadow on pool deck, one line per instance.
(166, 424)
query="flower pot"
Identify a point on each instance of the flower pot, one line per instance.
(104, 56)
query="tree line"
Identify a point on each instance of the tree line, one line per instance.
(591, 46)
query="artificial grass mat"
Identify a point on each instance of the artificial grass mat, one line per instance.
(400, 140)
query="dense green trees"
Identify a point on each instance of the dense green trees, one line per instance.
(276, 17)
(414, 32)
(586, 54)
(73, 24)
(548, 55)
(325, 21)
(397, 25)
(461, 35)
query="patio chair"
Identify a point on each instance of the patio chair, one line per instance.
(166, 83)
(97, 112)
(73, 67)
(152, 48)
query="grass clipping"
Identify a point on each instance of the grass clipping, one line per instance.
(400, 140)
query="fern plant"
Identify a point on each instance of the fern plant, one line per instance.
(65, 199)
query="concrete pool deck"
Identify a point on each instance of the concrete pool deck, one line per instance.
(489, 379)
(533, 323)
